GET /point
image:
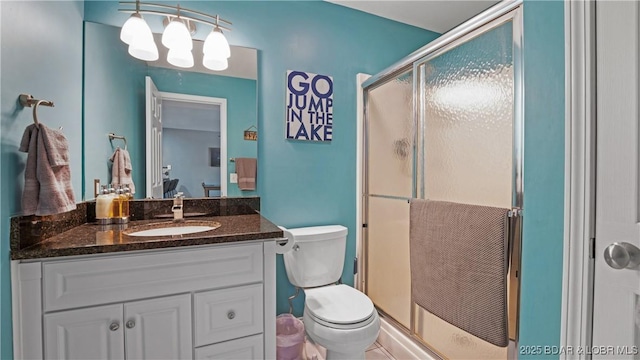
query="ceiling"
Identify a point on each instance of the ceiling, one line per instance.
(435, 15)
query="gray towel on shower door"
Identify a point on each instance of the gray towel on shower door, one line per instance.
(459, 265)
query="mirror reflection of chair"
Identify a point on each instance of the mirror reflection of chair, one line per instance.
(170, 188)
(208, 188)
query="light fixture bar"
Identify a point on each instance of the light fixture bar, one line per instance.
(208, 19)
(153, 12)
(177, 36)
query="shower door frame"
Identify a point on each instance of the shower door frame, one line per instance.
(485, 21)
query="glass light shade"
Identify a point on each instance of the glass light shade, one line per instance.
(176, 36)
(143, 47)
(216, 44)
(180, 57)
(214, 63)
(135, 24)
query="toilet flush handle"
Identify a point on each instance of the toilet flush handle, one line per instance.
(296, 247)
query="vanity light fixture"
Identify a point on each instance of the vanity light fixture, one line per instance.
(176, 36)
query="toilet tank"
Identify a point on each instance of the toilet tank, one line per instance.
(317, 257)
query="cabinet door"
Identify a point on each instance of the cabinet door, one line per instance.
(92, 333)
(248, 348)
(159, 328)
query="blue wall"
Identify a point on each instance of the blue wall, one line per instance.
(302, 183)
(112, 77)
(241, 109)
(42, 55)
(541, 292)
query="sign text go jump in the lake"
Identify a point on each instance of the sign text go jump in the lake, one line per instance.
(309, 106)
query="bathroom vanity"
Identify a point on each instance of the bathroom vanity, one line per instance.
(94, 293)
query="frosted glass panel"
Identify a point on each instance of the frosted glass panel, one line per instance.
(452, 343)
(468, 116)
(388, 276)
(390, 137)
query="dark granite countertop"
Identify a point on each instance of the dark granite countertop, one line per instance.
(94, 239)
(76, 233)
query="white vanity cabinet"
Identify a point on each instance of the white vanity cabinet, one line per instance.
(155, 329)
(92, 333)
(207, 302)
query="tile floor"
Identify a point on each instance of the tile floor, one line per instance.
(374, 352)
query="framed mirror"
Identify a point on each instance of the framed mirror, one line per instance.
(114, 103)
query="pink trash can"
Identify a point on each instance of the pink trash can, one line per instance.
(289, 337)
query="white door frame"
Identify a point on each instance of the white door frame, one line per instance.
(223, 127)
(358, 280)
(580, 120)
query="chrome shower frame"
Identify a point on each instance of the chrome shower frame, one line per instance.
(493, 17)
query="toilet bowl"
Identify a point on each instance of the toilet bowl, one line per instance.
(338, 317)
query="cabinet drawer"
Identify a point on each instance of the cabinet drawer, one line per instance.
(70, 284)
(247, 348)
(222, 315)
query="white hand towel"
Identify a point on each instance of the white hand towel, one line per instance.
(121, 169)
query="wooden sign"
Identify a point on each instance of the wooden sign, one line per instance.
(251, 134)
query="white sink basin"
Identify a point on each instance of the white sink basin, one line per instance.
(171, 231)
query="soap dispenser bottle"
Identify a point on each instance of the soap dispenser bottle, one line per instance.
(115, 203)
(122, 201)
(126, 198)
(103, 206)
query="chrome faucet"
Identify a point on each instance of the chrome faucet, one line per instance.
(177, 206)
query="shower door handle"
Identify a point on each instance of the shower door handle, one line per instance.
(622, 255)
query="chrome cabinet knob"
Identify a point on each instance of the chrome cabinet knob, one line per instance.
(622, 255)
(130, 324)
(114, 326)
(231, 314)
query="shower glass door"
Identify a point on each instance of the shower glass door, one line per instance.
(466, 112)
(448, 129)
(390, 178)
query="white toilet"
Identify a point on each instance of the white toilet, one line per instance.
(338, 317)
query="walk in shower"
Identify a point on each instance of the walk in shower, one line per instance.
(443, 124)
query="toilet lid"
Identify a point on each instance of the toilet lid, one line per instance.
(338, 304)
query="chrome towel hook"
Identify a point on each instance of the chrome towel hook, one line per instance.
(28, 101)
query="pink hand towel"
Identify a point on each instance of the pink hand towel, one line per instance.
(47, 189)
(246, 169)
(121, 169)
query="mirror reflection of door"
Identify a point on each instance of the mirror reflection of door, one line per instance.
(193, 131)
(153, 106)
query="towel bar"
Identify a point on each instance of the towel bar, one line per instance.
(120, 137)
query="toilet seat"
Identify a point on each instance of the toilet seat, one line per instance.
(339, 307)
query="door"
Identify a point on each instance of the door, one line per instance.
(153, 140)
(92, 333)
(616, 316)
(159, 328)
